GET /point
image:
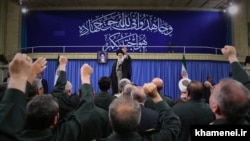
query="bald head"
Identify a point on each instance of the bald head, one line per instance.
(158, 82)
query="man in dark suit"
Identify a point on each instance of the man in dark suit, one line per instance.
(120, 69)
(149, 117)
(44, 83)
(104, 98)
(124, 116)
(194, 111)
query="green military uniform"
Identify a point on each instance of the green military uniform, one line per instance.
(12, 114)
(150, 104)
(170, 127)
(86, 123)
(3, 87)
(103, 100)
(66, 102)
(192, 112)
(239, 74)
(76, 126)
(37, 135)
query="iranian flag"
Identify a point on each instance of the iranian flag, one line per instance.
(184, 73)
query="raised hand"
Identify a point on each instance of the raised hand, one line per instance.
(19, 69)
(37, 67)
(20, 66)
(151, 90)
(63, 62)
(86, 71)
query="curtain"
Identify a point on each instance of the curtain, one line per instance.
(144, 71)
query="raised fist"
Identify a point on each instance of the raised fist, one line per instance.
(86, 70)
(20, 66)
(63, 60)
(150, 89)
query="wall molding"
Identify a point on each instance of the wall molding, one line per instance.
(137, 56)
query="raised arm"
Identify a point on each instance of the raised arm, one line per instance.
(238, 73)
(37, 67)
(12, 109)
(170, 123)
(86, 88)
(78, 120)
(61, 80)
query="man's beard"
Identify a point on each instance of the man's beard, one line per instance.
(119, 60)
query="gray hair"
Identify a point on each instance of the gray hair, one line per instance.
(122, 83)
(124, 115)
(37, 84)
(233, 99)
(127, 89)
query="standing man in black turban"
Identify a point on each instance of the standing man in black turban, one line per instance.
(120, 69)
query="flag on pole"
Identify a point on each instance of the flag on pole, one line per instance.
(57, 70)
(184, 73)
